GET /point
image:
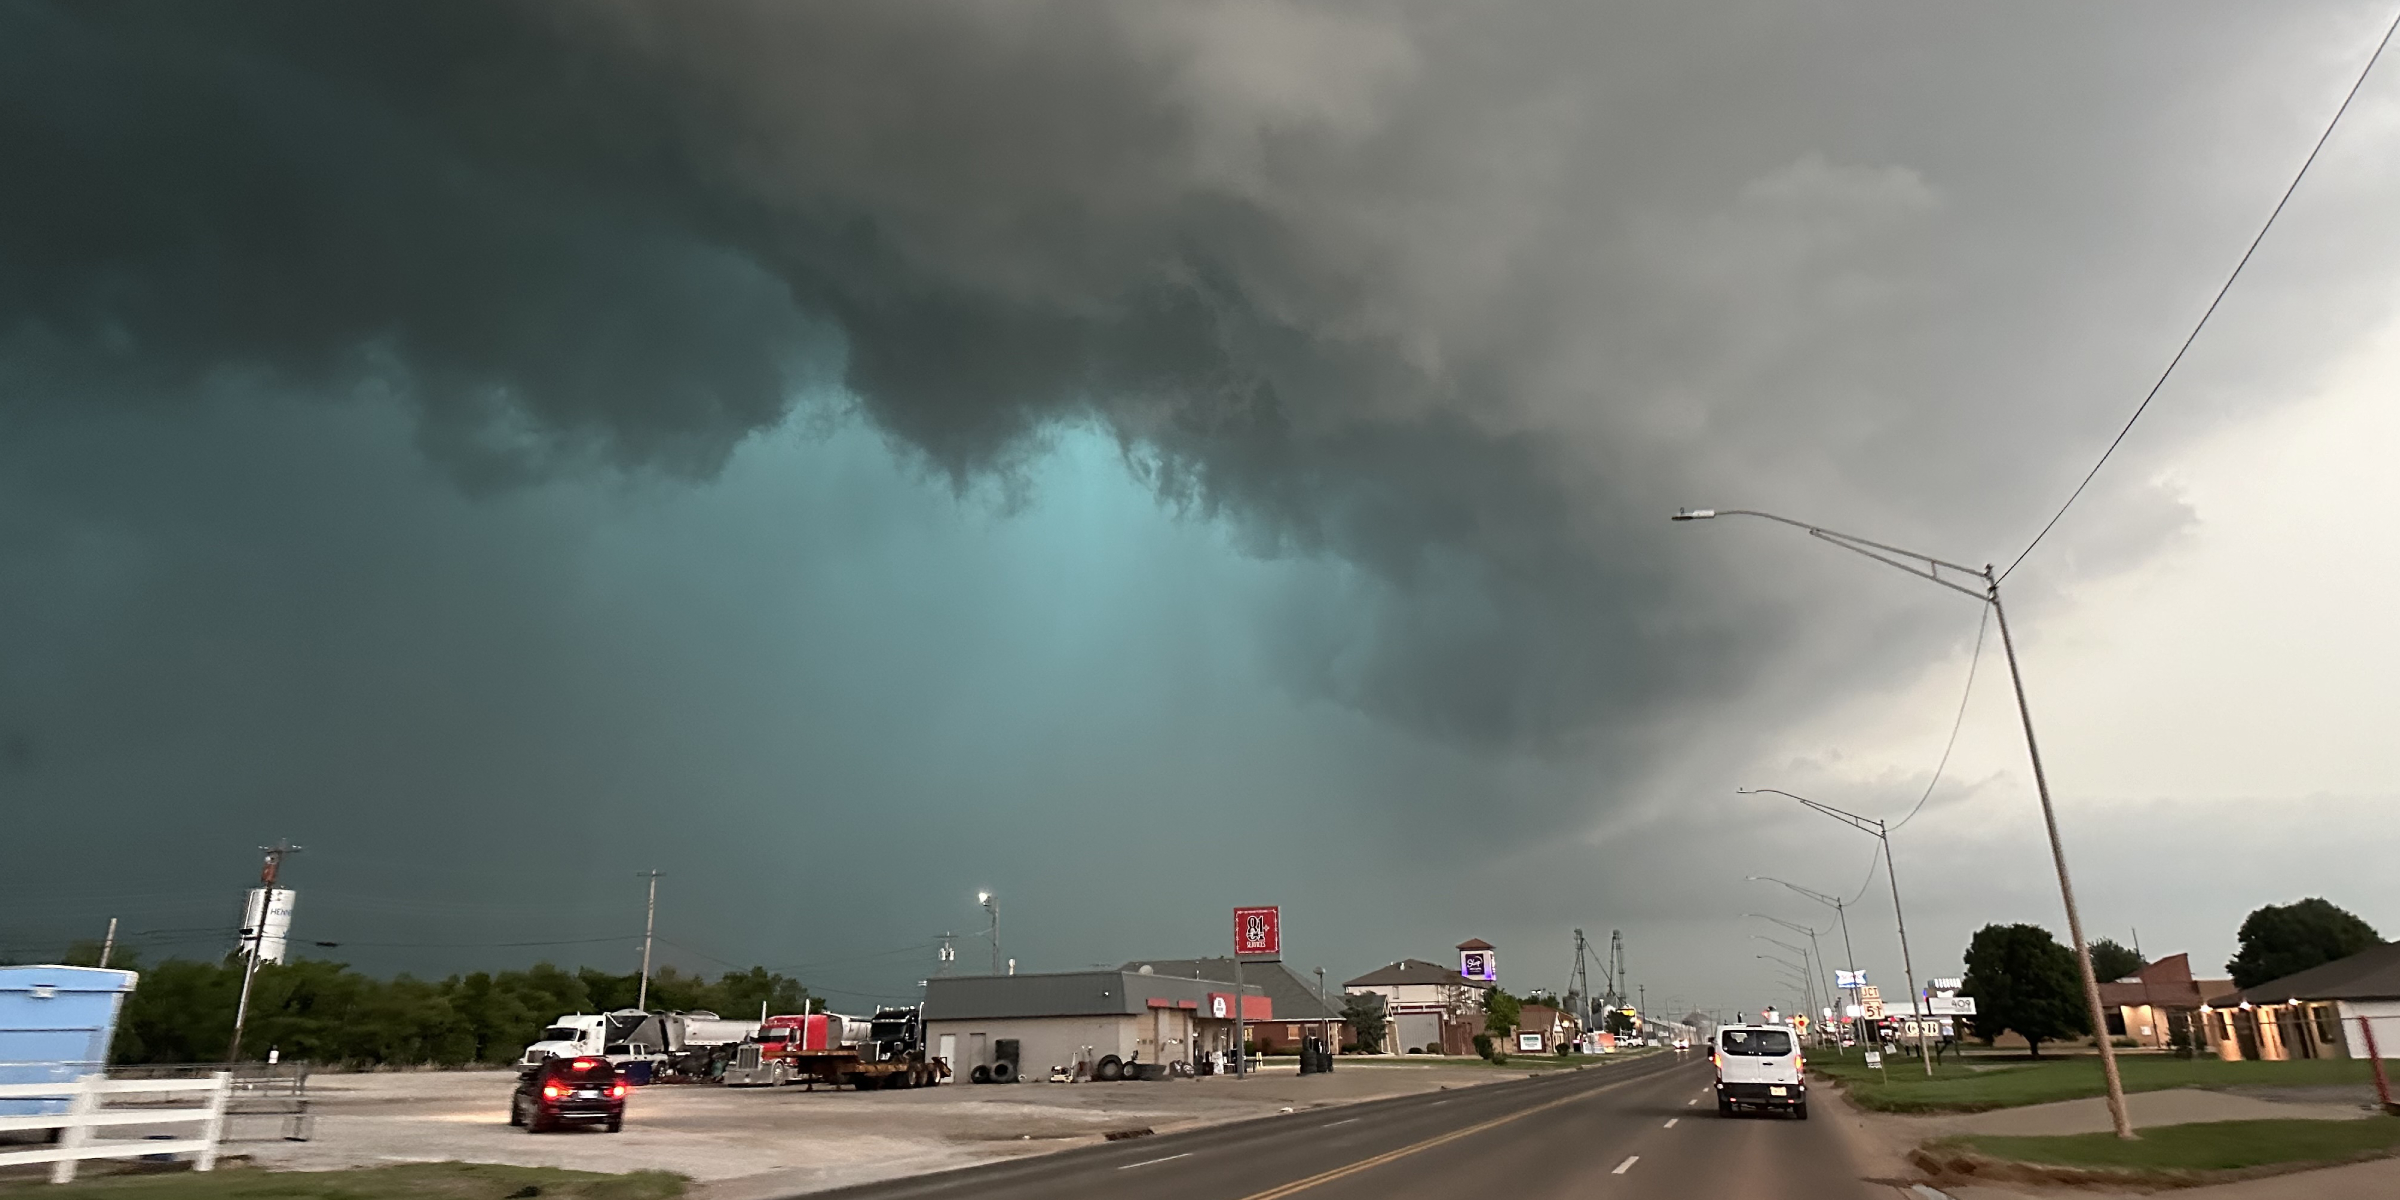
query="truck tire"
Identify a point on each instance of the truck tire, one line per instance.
(981, 1075)
(1800, 1110)
(1004, 1071)
(1109, 1069)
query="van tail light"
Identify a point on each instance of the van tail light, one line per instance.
(617, 1092)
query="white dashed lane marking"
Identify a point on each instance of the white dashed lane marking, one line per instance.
(1671, 1121)
(1627, 1165)
(1154, 1161)
(1343, 1121)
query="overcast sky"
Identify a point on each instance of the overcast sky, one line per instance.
(1144, 459)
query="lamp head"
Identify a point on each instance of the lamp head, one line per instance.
(983, 897)
(1694, 514)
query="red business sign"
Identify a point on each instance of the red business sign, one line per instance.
(1258, 931)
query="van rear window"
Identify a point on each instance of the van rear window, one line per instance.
(1760, 1043)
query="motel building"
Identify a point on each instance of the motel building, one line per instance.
(1428, 1008)
(2159, 1003)
(2348, 1008)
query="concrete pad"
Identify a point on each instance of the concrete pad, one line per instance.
(743, 1143)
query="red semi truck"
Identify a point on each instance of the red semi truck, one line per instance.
(887, 1051)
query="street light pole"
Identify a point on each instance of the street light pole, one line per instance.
(1798, 976)
(1840, 915)
(1808, 974)
(1907, 560)
(991, 907)
(1884, 835)
(1828, 993)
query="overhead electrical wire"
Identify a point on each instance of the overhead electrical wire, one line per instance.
(2161, 382)
(1983, 625)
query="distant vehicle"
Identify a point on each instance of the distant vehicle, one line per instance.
(693, 1045)
(583, 1089)
(1759, 1066)
(886, 1051)
(1682, 1045)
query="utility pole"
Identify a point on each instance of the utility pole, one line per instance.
(649, 928)
(991, 906)
(109, 944)
(258, 939)
(1325, 1013)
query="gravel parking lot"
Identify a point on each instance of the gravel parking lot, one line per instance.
(747, 1144)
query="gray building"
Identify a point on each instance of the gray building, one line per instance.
(1059, 1019)
(1299, 1011)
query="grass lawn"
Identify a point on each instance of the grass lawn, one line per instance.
(2206, 1146)
(408, 1181)
(1976, 1084)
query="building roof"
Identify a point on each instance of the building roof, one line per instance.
(2372, 974)
(1065, 994)
(2166, 983)
(1476, 944)
(1295, 997)
(1415, 971)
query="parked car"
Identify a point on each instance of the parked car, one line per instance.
(556, 1091)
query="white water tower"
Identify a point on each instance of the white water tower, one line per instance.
(267, 923)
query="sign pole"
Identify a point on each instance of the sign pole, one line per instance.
(1241, 1027)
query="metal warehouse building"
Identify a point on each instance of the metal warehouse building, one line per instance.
(1058, 1019)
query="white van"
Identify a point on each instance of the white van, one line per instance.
(1758, 1066)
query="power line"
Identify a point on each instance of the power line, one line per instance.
(2212, 305)
(1983, 624)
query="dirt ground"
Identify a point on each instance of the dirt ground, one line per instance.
(750, 1143)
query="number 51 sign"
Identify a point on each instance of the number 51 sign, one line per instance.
(1258, 932)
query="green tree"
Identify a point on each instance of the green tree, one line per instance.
(1546, 999)
(1618, 1023)
(2023, 980)
(2283, 939)
(2111, 960)
(1500, 1012)
(1363, 1013)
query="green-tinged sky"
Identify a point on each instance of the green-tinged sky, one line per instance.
(1142, 460)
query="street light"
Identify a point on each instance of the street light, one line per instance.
(1906, 560)
(1841, 915)
(1799, 976)
(1883, 834)
(1829, 993)
(991, 906)
(1804, 960)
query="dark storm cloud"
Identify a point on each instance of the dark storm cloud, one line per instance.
(1449, 294)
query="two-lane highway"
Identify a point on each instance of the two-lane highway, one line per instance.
(1644, 1129)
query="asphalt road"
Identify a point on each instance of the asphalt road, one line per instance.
(1645, 1129)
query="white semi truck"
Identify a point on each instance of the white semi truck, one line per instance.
(693, 1045)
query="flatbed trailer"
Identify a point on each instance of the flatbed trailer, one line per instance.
(833, 1068)
(888, 1052)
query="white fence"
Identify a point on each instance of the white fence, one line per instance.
(87, 1109)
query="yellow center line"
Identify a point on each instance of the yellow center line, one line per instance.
(1301, 1185)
